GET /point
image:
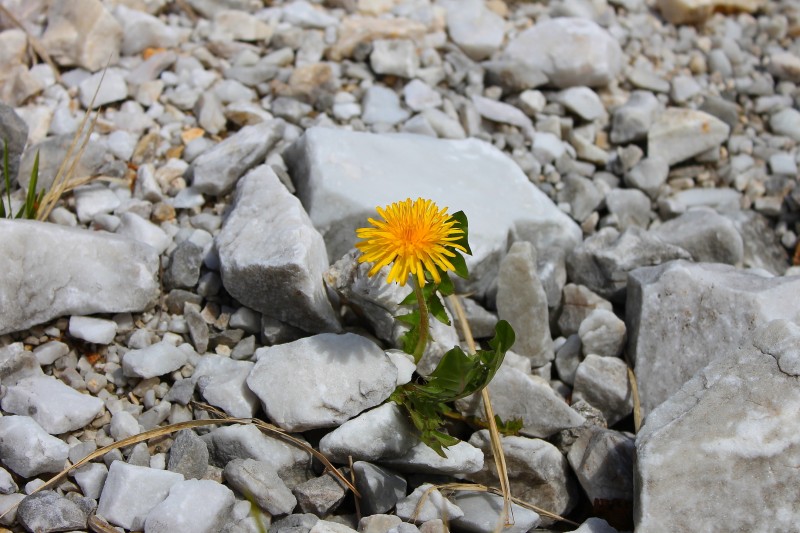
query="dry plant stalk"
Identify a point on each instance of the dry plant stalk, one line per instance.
(637, 406)
(497, 447)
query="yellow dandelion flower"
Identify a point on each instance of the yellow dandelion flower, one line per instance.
(416, 236)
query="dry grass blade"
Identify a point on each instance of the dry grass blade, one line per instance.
(357, 499)
(469, 487)
(34, 43)
(494, 434)
(191, 424)
(637, 406)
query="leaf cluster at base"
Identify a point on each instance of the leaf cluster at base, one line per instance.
(32, 200)
(457, 376)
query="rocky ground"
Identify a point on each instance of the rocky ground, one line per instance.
(628, 169)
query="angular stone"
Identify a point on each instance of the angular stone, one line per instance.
(628, 208)
(335, 174)
(462, 458)
(272, 259)
(784, 122)
(711, 450)
(14, 131)
(131, 492)
(137, 228)
(221, 381)
(565, 51)
(188, 455)
(90, 329)
(603, 382)
(501, 112)
(27, 449)
(383, 432)
(82, 33)
(57, 407)
(260, 482)
(682, 315)
(103, 88)
(16, 363)
(395, 57)
(380, 488)
(603, 461)
(142, 30)
(707, 235)
(382, 106)
(602, 262)
(97, 273)
(602, 333)
(483, 512)
(357, 30)
(579, 302)
(761, 247)
(341, 376)
(517, 395)
(475, 28)
(648, 175)
(216, 171)
(49, 511)
(379, 523)
(582, 101)
(155, 360)
(521, 301)
(538, 473)
(413, 508)
(321, 495)
(200, 505)
(679, 134)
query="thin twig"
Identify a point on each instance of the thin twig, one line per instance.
(637, 406)
(494, 434)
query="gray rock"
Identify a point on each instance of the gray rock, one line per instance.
(483, 511)
(155, 360)
(648, 175)
(419, 96)
(304, 15)
(290, 109)
(383, 432)
(582, 101)
(538, 473)
(568, 357)
(247, 442)
(8, 506)
(57, 407)
(137, 228)
(718, 439)
(123, 425)
(517, 395)
(728, 112)
(602, 333)
(785, 122)
(7, 484)
(216, 171)
(131, 492)
(632, 120)
(100, 33)
(462, 458)
(16, 364)
(95, 200)
(260, 482)
(232, 24)
(603, 382)
(721, 199)
(295, 523)
(762, 249)
(476, 29)
(49, 511)
(501, 112)
(380, 488)
(184, 266)
(188, 455)
(104, 273)
(19, 435)
(579, 302)
(379, 523)
(91, 478)
(329, 169)
(630, 207)
(272, 259)
(381, 105)
(396, 57)
(52, 151)
(682, 315)
(566, 51)
(443, 125)
(321, 495)
(198, 328)
(521, 301)
(603, 261)
(90, 329)
(221, 381)
(14, 131)
(142, 30)
(582, 196)
(595, 525)
(602, 460)
(113, 88)
(708, 236)
(679, 134)
(322, 395)
(200, 505)
(434, 506)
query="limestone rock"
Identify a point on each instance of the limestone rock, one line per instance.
(698, 11)
(82, 33)
(679, 134)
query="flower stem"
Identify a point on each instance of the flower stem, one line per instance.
(422, 340)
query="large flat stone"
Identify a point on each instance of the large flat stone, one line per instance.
(680, 316)
(722, 453)
(341, 176)
(271, 257)
(50, 271)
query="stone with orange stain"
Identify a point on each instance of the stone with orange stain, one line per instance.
(358, 30)
(697, 11)
(191, 134)
(680, 134)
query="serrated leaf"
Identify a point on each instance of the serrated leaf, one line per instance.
(409, 339)
(463, 224)
(509, 427)
(410, 299)
(411, 318)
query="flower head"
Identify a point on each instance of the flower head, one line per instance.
(416, 236)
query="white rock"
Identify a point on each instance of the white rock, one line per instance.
(322, 394)
(155, 360)
(55, 406)
(90, 329)
(532, 101)
(434, 506)
(221, 381)
(93, 200)
(501, 112)
(679, 134)
(90, 479)
(336, 173)
(419, 95)
(603, 382)
(304, 15)
(272, 259)
(381, 105)
(483, 511)
(547, 147)
(372, 436)
(396, 57)
(462, 458)
(476, 29)
(602, 333)
(142, 30)
(123, 425)
(232, 24)
(785, 122)
(582, 101)
(131, 492)
(197, 505)
(109, 86)
(144, 231)
(27, 449)
(49, 352)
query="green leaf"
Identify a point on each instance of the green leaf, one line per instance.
(462, 223)
(30, 198)
(411, 299)
(409, 339)
(510, 427)
(436, 308)
(460, 265)
(446, 285)
(6, 171)
(411, 318)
